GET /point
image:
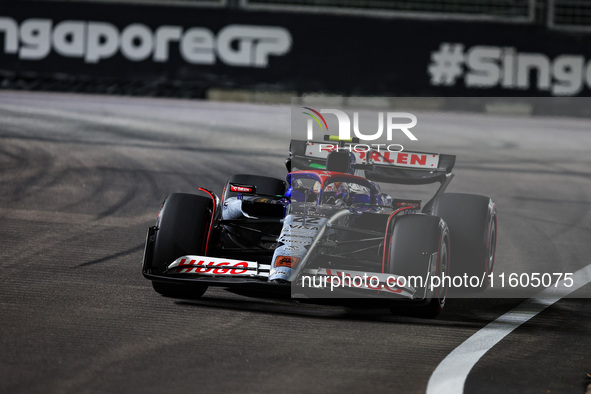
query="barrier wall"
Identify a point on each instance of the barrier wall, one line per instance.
(198, 48)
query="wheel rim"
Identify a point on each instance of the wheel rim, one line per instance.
(492, 244)
(443, 265)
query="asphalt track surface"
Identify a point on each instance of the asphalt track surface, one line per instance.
(82, 177)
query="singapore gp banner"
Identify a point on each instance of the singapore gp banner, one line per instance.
(347, 55)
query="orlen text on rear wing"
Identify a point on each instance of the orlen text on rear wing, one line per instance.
(380, 165)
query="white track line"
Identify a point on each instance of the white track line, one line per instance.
(450, 375)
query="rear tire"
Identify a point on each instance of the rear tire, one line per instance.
(472, 221)
(182, 224)
(414, 239)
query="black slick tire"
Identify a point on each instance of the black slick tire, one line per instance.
(414, 239)
(182, 225)
(472, 222)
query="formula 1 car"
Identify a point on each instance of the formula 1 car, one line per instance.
(322, 234)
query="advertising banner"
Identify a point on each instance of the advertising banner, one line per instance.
(299, 52)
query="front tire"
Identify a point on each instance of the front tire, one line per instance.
(414, 239)
(183, 224)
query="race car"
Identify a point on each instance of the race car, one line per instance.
(328, 234)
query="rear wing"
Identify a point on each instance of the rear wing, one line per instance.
(379, 165)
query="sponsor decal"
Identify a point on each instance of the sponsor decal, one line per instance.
(242, 189)
(305, 234)
(376, 154)
(289, 241)
(286, 261)
(93, 41)
(281, 273)
(302, 227)
(293, 248)
(212, 266)
(406, 203)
